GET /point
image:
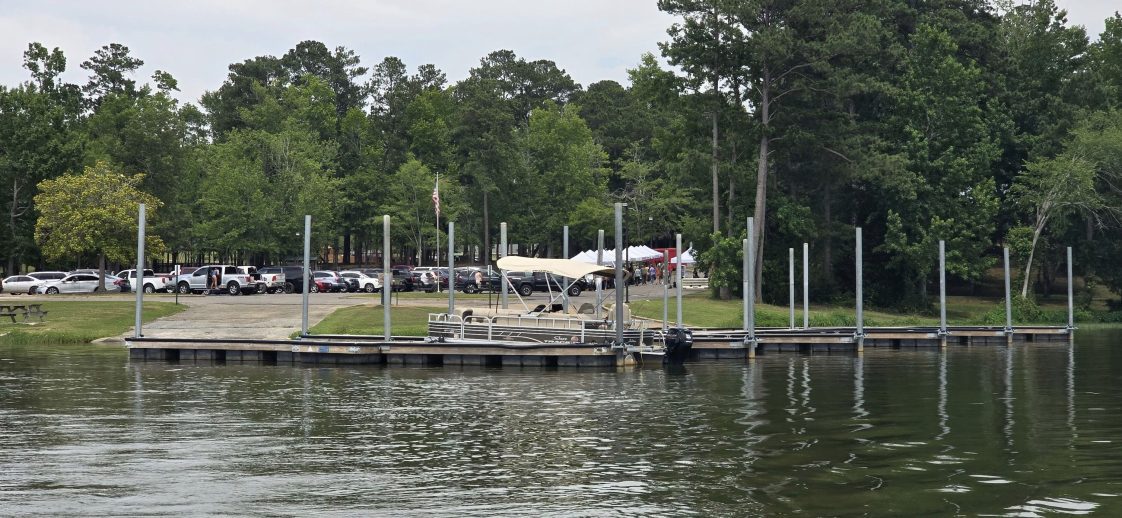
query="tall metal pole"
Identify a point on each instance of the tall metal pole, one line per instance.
(942, 288)
(599, 280)
(387, 280)
(307, 274)
(806, 286)
(791, 284)
(1008, 300)
(437, 254)
(1070, 299)
(139, 287)
(860, 294)
(678, 275)
(451, 267)
(665, 306)
(565, 254)
(744, 283)
(750, 285)
(619, 273)
(502, 253)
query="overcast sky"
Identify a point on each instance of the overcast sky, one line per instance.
(196, 40)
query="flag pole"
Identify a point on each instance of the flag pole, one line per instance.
(436, 190)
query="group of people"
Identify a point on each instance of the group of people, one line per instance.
(647, 274)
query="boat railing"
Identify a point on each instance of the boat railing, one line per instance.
(536, 321)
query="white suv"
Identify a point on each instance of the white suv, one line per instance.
(366, 283)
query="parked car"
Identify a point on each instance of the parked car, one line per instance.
(274, 279)
(153, 282)
(362, 281)
(466, 282)
(406, 278)
(81, 283)
(43, 277)
(401, 280)
(291, 277)
(526, 283)
(332, 282)
(425, 280)
(231, 280)
(18, 284)
(256, 276)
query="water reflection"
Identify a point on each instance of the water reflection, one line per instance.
(89, 433)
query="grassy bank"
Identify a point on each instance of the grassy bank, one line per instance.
(698, 310)
(367, 320)
(74, 322)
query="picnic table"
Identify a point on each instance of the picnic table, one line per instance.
(25, 310)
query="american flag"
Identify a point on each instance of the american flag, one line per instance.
(436, 197)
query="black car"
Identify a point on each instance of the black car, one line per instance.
(293, 276)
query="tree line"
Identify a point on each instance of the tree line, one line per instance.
(981, 123)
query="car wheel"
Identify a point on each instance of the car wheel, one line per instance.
(270, 290)
(148, 288)
(574, 291)
(289, 287)
(313, 288)
(233, 288)
(469, 289)
(525, 290)
(184, 288)
(52, 291)
(369, 288)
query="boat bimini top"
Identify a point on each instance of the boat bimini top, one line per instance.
(560, 267)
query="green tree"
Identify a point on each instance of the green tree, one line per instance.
(93, 212)
(110, 67)
(562, 166)
(40, 138)
(1051, 189)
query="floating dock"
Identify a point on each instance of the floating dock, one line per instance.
(709, 344)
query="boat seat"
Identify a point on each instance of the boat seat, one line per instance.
(586, 309)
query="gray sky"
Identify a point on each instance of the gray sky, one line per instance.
(196, 40)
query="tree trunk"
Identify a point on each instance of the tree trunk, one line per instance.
(761, 182)
(827, 245)
(486, 231)
(716, 112)
(716, 186)
(347, 247)
(1032, 250)
(101, 272)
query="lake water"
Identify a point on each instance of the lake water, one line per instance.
(1032, 430)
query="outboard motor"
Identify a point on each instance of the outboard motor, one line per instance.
(679, 343)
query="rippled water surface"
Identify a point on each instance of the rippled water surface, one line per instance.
(1031, 430)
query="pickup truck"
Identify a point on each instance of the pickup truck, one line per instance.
(231, 281)
(527, 283)
(258, 279)
(153, 282)
(274, 279)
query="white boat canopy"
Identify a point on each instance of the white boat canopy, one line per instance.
(564, 267)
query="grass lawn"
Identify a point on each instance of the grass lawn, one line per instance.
(699, 310)
(367, 320)
(73, 322)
